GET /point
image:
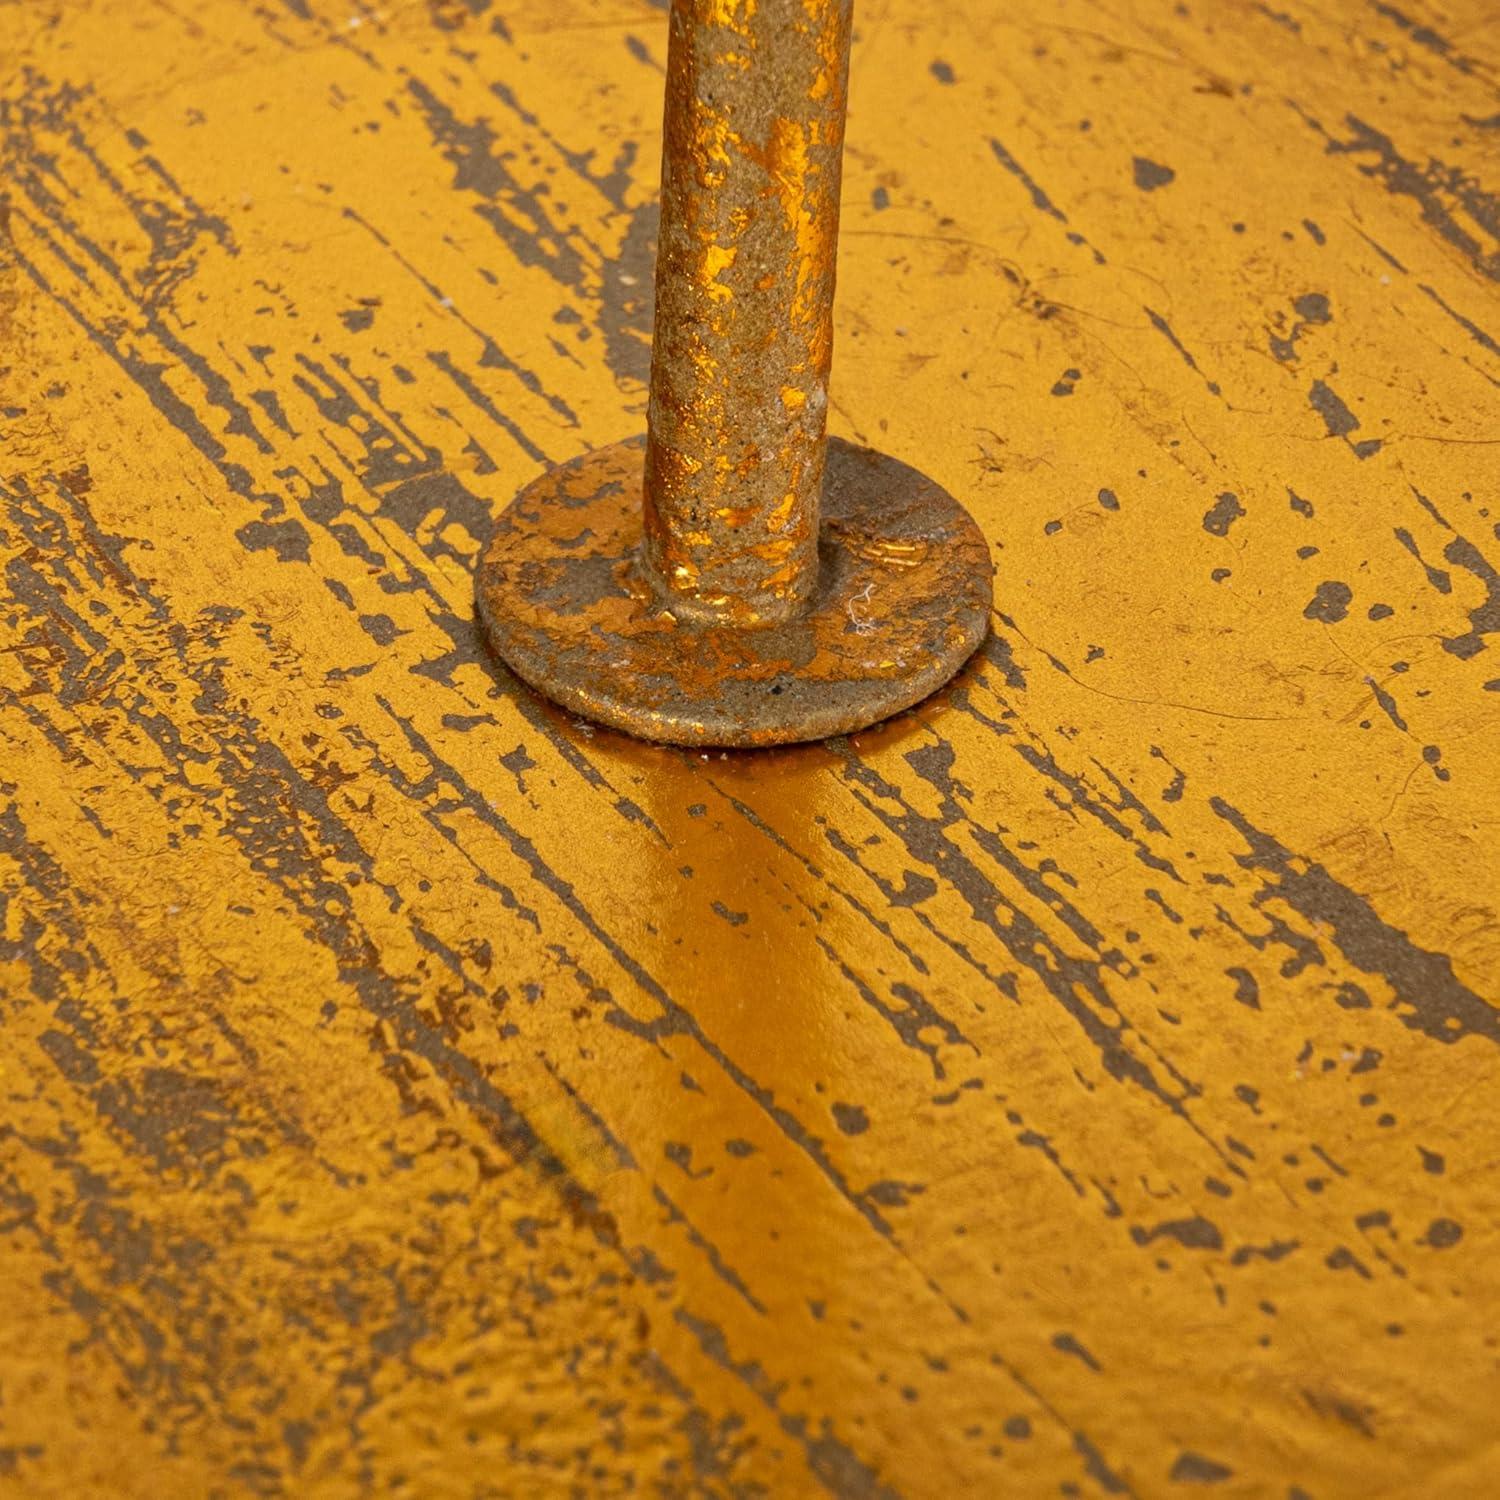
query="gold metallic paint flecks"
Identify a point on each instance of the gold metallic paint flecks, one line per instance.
(744, 286)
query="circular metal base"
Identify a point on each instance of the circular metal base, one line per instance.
(902, 601)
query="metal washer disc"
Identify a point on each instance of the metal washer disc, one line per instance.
(902, 601)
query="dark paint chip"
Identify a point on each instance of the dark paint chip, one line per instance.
(1194, 1468)
(1222, 514)
(1150, 175)
(1330, 603)
(1443, 1234)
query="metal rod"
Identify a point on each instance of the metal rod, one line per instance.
(752, 159)
(720, 592)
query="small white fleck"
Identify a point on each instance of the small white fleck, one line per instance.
(862, 625)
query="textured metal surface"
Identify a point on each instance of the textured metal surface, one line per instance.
(752, 154)
(902, 601)
(1089, 1089)
(716, 591)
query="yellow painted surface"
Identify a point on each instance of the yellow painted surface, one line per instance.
(1085, 1084)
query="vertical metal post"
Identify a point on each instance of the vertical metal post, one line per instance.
(735, 576)
(752, 160)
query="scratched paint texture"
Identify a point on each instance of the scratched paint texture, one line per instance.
(1084, 1084)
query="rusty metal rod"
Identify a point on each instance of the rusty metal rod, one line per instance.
(735, 576)
(755, 105)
